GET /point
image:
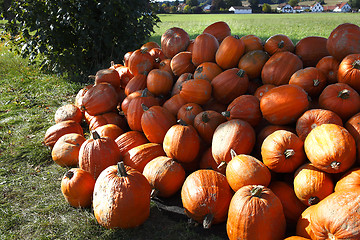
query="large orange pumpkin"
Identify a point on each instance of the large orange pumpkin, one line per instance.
(219, 30)
(311, 79)
(57, 130)
(66, 149)
(229, 52)
(204, 50)
(278, 43)
(349, 71)
(252, 63)
(329, 66)
(311, 49)
(173, 41)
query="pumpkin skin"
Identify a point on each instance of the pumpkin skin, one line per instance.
(331, 148)
(196, 91)
(341, 99)
(97, 153)
(109, 130)
(129, 140)
(311, 49)
(280, 67)
(125, 75)
(204, 50)
(260, 91)
(159, 82)
(255, 207)
(206, 122)
(56, 131)
(229, 52)
(182, 63)
(311, 79)
(349, 71)
(337, 216)
(158, 55)
(80, 95)
(181, 79)
(329, 66)
(140, 62)
(252, 43)
(68, 112)
(234, 134)
(121, 198)
(188, 112)
(107, 118)
(207, 162)
(206, 194)
(66, 150)
(278, 43)
(149, 45)
(313, 118)
(165, 175)
(353, 126)
(282, 151)
(165, 65)
(229, 84)
(284, 104)
(219, 30)
(182, 143)
(244, 170)
(303, 227)
(108, 75)
(207, 71)
(77, 187)
(344, 40)
(350, 180)
(138, 82)
(252, 63)
(296, 238)
(173, 41)
(174, 103)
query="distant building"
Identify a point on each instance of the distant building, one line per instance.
(317, 7)
(240, 10)
(206, 7)
(285, 8)
(329, 8)
(342, 7)
(301, 8)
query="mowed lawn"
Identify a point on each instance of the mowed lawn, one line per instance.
(31, 203)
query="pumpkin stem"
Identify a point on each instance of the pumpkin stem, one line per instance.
(356, 64)
(226, 114)
(189, 76)
(189, 108)
(144, 107)
(314, 125)
(236, 37)
(95, 135)
(112, 63)
(121, 169)
(289, 153)
(208, 220)
(144, 50)
(69, 174)
(157, 60)
(181, 122)
(154, 193)
(316, 82)
(313, 200)
(205, 117)
(344, 94)
(232, 153)
(331, 236)
(91, 76)
(281, 44)
(257, 191)
(199, 69)
(335, 165)
(221, 166)
(241, 73)
(145, 93)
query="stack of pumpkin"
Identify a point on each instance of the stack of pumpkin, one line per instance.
(264, 136)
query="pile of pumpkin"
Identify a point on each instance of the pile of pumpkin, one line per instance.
(262, 136)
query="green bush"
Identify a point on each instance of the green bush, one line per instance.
(79, 37)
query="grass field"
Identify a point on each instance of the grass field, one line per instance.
(31, 203)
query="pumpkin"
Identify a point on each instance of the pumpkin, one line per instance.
(282, 151)
(206, 196)
(311, 79)
(280, 67)
(77, 187)
(125, 103)
(244, 170)
(229, 84)
(296, 238)
(108, 75)
(121, 197)
(341, 99)
(138, 82)
(159, 82)
(68, 112)
(150, 45)
(182, 63)
(158, 55)
(80, 95)
(204, 50)
(344, 40)
(313, 118)
(206, 122)
(125, 75)
(311, 49)
(279, 43)
(353, 126)
(234, 134)
(219, 30)
(129, 140)
(207, 162)
(173, 41)
(182, 143)
(337, 216)
(56, 131)
(331, 148)
(245, 107)
(181, 79)
(329, 66)
(98, 153)
(260, 91)
(155, 122)
(165, 65)
(284, 104)
(207, 71)
(126, 58)
(196, 91)
(174, 103)
(349, 71)
(255, 207)
(349, 181)
(66, 150)
(229, 52)
(109, 130)
(252, 43)
(140, 62)
(188, 112)
(165, 176)
(303, 227)
(107, 118)
(252, 63)
(101, 98)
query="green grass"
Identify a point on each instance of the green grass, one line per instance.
(31, 203)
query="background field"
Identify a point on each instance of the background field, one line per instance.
(31, 203)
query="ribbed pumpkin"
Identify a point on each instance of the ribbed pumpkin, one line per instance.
(81, 94)
(329, 66)
(179, 81)
(188, 112)
(158, 55)
(66, 149)
(252, 42)
(252, 63)
(229, 52)
(206, 122)
(150, 45)
(182, 63)
(98, 153)
(159, 82)
(174, 103)
(121, 197)
(353, 126)
(207, 71)
(109, 130)
(140, 61)
(311, 79)
(165, 176)
(349, 71)
(204, 50)
(311, 49)
(207, 162)
(196, 91)
(350, 180)
(255, 212)
(129, 140)
(284, 104)
(138, 82)
(303, 227)
(219, 30)
(206, 196)
(125, 75)
(173, 41)
(107, 118)
(108, 75)
(77, 187)
(279, 43)
(57, 130)
(68, 112)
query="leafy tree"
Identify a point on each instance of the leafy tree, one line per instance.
(230, 3)
(217, 4)
(176, 3)
(266, 8)
(187, 9)
(293, 3)
(192, 3)
(354, 4)
(79, 36)
(254, 5)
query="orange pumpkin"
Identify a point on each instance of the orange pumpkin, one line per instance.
(349, 181)
(129, 140)
(311, 49)
(278, 43)
(159, 82)
(204, 50)
(219, 30)
(66, 150)
(182, 63)
(252, 43)
(56, 131)
(196, 91)
(207, 71)
(311, 79)
(108, 75)
(349, 71)
(140, 62)
(173, 41)
(188, 112)
(229, 52)
(303, 227)
(138, 82)
(174, 103)
(206, 122)
(109, 130)
(252, 63)
(329, 66)
(260, 91)
(68, 112)
(353, 126)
